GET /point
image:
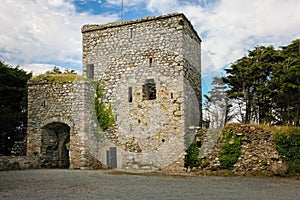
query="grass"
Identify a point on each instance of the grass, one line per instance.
(57, 78)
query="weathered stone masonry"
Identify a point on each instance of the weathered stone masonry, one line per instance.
(164, 50)
(58, 114)
(152, 75)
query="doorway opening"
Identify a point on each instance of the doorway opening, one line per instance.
(55, 146)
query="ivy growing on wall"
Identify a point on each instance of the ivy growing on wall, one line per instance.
(192, 158)
(230, 149)
(288, 145)
(104, 113)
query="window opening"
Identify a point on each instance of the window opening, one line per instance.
(150, 62)
(149, 90)
(171, 95)
(131, 33)
(90, 71)
(44, 104)
(130, 94)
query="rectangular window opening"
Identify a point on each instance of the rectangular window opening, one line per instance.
(131, 33)
(149, 90)
(150, 62)
(90, 71)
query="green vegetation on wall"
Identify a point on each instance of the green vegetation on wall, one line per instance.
(230, 149)
(55, 75)
(288, 146)
(104, 114)
(57, 78)
(192, 158)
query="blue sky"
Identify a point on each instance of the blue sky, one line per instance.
(41, 34)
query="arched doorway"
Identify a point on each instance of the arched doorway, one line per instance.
(55, 145)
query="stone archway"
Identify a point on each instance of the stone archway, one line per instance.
(55, 145)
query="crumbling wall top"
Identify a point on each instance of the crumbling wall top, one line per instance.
(94, 27)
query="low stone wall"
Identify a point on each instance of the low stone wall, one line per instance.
(258, 155)
(19, 162)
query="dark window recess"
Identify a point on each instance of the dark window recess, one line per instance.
(90, 71)
(199, 144)
(150, 62)
(131, 33)
(171, 95)
(130, 94)
(149, 90)
(44, 103)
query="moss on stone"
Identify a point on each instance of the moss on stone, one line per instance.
(58, 78)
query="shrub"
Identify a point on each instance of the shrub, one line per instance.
(192, 158)
(205, 163)
(230, 149)
(288, 146)
(104, 114)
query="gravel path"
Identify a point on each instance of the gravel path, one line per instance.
(86, 184)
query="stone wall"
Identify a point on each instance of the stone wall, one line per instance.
(152, 75)
(125, 56)
(59, 113)
(19, 162)
(258, 157)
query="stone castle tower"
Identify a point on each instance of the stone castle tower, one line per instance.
(151, 69)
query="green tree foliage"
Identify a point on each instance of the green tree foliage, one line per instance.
(56, 70)
(266, 83)
(13, 105)
(217, 105)
(104, 114)
(288, 146)
(192, 158)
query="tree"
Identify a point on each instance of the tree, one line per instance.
(266, 85)
(13, 105)
(240, 84)
(56, 70)
(218, 108)
(285, 85)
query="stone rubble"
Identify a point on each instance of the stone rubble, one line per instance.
(258, 156)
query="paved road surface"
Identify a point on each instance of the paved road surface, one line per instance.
(84, 184)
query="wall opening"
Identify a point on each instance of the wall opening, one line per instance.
(150, 62)
(55, 146)
(131, 33)
(149, 90)
(111, 157)
(130, 94)
(90, 71)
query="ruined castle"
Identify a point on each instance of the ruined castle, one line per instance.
(151, 69)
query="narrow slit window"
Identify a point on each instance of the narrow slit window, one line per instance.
(90, 71)
(171, 95)
(149, 90)
(131, 33)
(130, 94)
(150, 62)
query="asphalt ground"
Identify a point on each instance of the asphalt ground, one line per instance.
(105, 184)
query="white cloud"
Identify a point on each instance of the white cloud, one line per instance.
(229, 28)
(45, 32)
(162, 6)
(125, 2)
